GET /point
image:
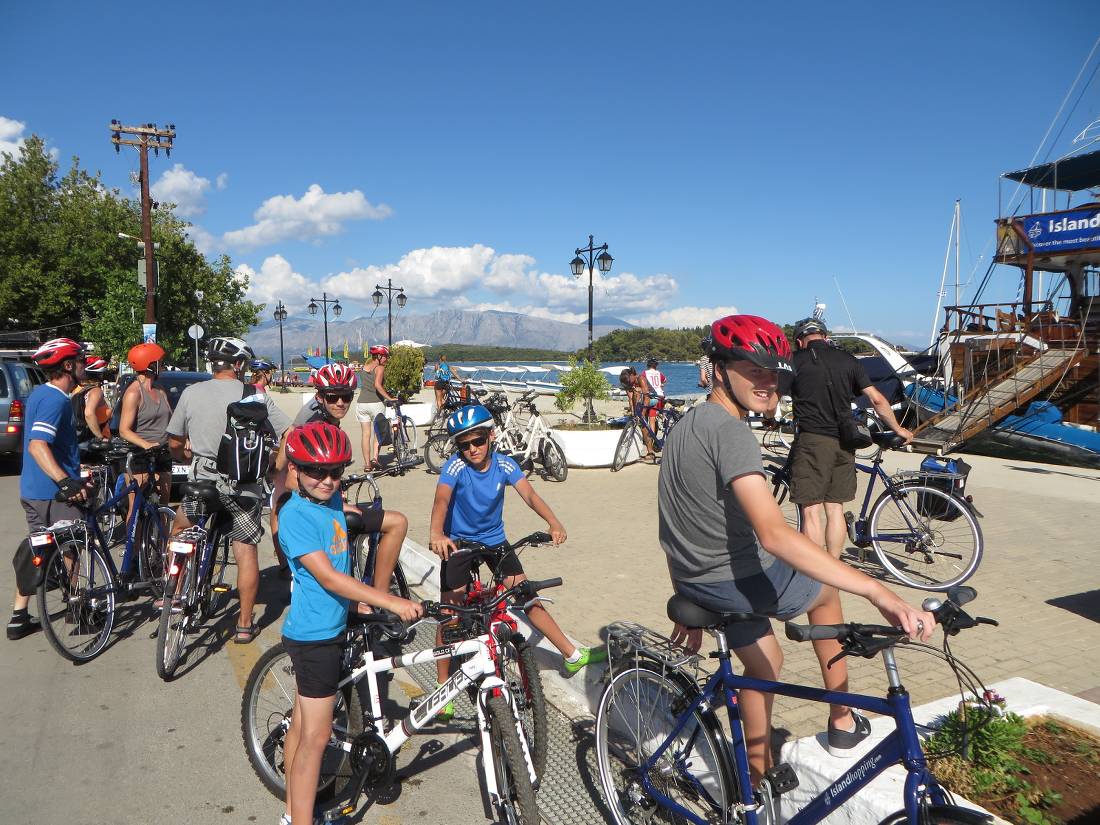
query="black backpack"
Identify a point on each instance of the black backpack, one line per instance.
(78, 399)
(244, 453)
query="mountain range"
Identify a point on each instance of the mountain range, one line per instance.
(448, 326)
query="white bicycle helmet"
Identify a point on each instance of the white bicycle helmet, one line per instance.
(229, 350)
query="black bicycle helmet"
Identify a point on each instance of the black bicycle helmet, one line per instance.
(810, 326)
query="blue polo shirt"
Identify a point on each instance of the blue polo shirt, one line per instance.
(49, 418)
(305, 527)
(476, 512)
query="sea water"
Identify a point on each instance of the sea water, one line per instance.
(682, 378)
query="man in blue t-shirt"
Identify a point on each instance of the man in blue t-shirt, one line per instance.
(51, 464)
(469, 505)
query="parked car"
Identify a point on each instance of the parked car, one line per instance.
(17, 379)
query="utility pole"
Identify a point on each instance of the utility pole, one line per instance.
(146, 136)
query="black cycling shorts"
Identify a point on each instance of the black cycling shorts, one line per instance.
(460, 569)
(316, 665)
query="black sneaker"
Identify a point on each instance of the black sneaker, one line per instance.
(843, 743)
(23, 626)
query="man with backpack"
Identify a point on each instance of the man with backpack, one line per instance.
(227, 431)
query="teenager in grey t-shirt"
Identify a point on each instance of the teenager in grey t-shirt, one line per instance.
(200, 415)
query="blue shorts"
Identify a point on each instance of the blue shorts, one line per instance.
(780, 592)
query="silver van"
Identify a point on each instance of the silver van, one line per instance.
(17, 379)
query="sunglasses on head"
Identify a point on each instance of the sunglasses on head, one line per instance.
(321, 473)
(333, 397)
(477, 441)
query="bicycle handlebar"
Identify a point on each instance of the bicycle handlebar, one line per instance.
(533, 540)
(526, 589)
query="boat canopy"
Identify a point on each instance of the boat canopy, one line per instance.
(614, 370)
(1069, 174)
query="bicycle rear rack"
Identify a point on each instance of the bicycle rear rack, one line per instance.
(629, 642)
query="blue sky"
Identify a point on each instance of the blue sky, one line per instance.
(731, 155)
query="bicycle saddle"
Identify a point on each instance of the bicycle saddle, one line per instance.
(686, 612)
(675, 402)
(887, 440)
(204, 492)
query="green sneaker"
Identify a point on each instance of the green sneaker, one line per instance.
(447, 713)
(589, 656)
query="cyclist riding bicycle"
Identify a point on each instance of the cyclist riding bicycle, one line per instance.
(469, 505)
(729, 547)
(51, 464)
(314, 537)
(194, 433)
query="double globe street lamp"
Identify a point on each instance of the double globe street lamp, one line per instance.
(280, 315)
(324, 301)
(377, 297)
(603, 262)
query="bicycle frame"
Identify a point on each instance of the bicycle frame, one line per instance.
(901, 745)
(642, 420)
(532, 435)
(91, 525)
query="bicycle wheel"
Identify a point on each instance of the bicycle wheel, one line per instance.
(364, 559)
(928, 552)
(553, 459)
(408, 435)
(152, 543)
(266, 707)
(519, 670)
(215, 593)
(437, 450)
(76, 601)
(638, 711)
(173, 619)
(627, 443)
(781, 491)
(516, 795)
(939, 815)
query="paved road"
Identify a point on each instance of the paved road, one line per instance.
(109, 743)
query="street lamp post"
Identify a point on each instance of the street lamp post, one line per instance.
(401, 300)
(324, 301)
(603, 261)
(280, 316)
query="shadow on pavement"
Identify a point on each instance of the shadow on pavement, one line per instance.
(1046, 472)
(1086, 604)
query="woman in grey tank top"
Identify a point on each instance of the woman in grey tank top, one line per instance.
(146, 411)
(370, 402)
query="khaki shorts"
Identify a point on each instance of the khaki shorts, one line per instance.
(821, 471)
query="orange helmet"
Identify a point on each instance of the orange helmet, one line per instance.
(143, 356)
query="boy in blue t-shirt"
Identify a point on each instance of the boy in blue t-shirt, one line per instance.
(469, 505)
(314, 536)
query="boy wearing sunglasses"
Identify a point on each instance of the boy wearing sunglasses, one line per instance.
(314, 539)
(469, 505)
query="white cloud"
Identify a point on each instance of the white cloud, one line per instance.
(427, 273)
(313, 215)
(680, 317)
(204, 241)
(276, 280)
(221, 181)
(181, 186)
(11, 135)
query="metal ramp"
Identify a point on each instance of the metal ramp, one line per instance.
(987, 405)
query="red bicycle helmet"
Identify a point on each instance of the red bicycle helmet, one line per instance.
(335, 375)
(52, 353)
(93, 363)
(143, 356)
(750, 338)
(318, 444)
(378, 349)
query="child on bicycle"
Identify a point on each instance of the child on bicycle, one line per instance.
(313, 535)
(469, 505)
(729, 548)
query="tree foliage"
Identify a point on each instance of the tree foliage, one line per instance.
(640, 343)
(404, 371)
(476, 353)
(64, 270)
(584, 381)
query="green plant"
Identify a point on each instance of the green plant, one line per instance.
(404, 371)
(584, 381)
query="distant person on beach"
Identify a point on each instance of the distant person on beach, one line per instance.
(372, 398)
(706, 372)
(823, 474)
(442, 378)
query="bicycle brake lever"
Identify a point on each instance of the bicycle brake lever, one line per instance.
(984, 620)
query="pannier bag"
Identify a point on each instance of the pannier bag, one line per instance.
(244, 453)
(948, 475)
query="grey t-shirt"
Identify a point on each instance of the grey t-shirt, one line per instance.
(200, 414)
(703, 530)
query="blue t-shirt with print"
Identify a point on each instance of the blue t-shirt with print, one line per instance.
(49, 418)
(304, 527)
(476, 512)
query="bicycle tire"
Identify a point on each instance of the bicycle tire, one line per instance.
(408, 434)
(621, 748)
(921, 551)
(940, 815)
(76, 601)
(553, 459)
(516, 794)
(781, 492)
(152, 536)
(437, 450)
(363, 555)
(266, 706)
(519, 670)
(170, 642)
(111, 520)
(214, 601)
(622, 448)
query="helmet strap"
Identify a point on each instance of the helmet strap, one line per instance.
(742, 411)
(303, 492)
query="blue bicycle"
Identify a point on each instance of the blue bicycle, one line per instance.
(638, 431)
(660, 747)
(80, 584)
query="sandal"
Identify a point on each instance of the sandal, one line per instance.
(245, 635)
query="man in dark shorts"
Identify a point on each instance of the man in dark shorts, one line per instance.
(823, 474)
(51, 463)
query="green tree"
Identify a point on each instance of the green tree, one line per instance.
(405, 371)
(584, 381)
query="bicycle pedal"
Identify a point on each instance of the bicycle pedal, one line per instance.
(221, 588)
(782, 778)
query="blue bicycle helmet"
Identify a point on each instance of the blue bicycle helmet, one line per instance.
(260, 365)
(470, 417)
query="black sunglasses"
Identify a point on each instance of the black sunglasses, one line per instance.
(321, 473)
(479, 441)
(332, 397)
